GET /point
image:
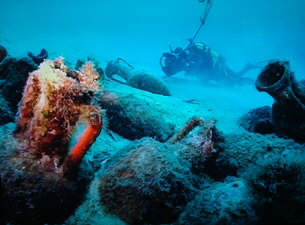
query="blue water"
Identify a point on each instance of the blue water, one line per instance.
(140, 31)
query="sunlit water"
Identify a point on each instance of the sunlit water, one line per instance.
(140, 31)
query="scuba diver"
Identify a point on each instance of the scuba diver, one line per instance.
(179, 60)
(200, 60)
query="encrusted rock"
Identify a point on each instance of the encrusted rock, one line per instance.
(147, 186)
(258, 120)
(39, 174)
(97, 66)
(221, 203)
(14, 73)
(242, 150)
(278, 184)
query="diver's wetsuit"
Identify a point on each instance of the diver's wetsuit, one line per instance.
(206, 62)
(199, 60)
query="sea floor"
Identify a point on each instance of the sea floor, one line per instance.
(210, 100)
(189, 98)
(226, 103)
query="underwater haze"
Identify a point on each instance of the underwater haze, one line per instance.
(141, 30)
(115, 112)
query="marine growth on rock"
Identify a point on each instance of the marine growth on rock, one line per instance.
(38, 173)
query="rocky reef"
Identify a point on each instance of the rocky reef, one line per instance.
(278, 185)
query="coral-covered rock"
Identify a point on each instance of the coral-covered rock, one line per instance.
(14, 73)
(3, 53)
(97, 66)
(148, 185)
(31, 195)
(35, 196)
(40, 183)
(258, 120)
(242, 150)
(52, 105)
(221, 203)
(278, 184)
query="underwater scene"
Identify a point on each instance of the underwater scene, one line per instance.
(173, 112)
